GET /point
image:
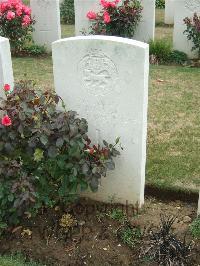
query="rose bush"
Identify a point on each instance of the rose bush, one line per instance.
(16, 23)
(46, 156)
(193, 31)
(116, 19)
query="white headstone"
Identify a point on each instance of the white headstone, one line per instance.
(105, 79)
(169, 11)
(144, 32)
(81, 10)
(47, 16)
(184, 8)
(146, 29)
(6, 71)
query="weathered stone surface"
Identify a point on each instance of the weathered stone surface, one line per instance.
(169, 11)
(146, 29)
(82, 23)
(47, 16)
(105, 79)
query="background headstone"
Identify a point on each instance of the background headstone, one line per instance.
(184, 8)
(81, 10)
(6, 71)
(105, 79)
(47, 16)
(169, 12)
(146, 29)
(144, 32)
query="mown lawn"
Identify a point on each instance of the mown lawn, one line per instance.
(16, 260)
(173, 127)
(173, 121)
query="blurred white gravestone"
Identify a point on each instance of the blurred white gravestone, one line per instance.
(184, 8)
(146, 28)
(47, 27)
(81, 10)
(105, 79)
(6, 71)
(169, 11)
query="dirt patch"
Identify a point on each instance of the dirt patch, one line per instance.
(93, 240)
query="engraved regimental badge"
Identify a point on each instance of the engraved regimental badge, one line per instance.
(98, 72)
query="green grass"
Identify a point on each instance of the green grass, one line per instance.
(160, 16)
(26, 2)
(173, 127)
(38, 69)
(195, 228)
(16, 260)
(163, 31)
(67, 30)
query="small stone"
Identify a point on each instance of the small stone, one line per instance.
(187, 219)
(81, 223)
(105, 249)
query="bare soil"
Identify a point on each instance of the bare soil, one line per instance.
(94, 240)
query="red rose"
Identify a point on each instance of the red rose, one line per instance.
(6, 87)
(91, 15)
(6, 121)
(106, 17)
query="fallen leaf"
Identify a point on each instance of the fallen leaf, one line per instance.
(27, 232)
(160, 80)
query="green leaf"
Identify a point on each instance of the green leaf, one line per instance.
(22, 116)
(110, 165)
(8, 147)
(21, 129)
(75, 172)
(38, 155)
(85, 168)
(117, 140)
(44, 139)
(10, 197)
(75, 151)
(3, 225)
(52, 152)
(83, 185)
(59, 142)
(1, 146)
(105, 143)
(94, 184)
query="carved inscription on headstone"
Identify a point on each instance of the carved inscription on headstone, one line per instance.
(98, 73)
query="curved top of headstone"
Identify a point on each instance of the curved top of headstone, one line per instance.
(104, 38)
(2, 39)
